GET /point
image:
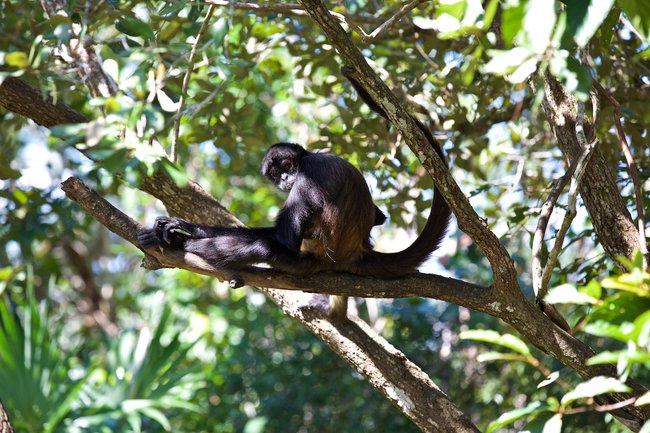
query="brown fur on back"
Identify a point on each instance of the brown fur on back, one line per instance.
(344, 225)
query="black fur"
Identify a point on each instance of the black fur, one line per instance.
(324, 224)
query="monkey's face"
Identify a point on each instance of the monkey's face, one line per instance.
(282, 173)
(285, 172)
(281, 163)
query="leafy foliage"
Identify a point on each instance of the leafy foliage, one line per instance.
(105, 355)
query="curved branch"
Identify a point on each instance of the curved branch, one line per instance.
(19, 97)
(505, 275)
(387, 369)
(417, 285)
(611, 219)
(383, 26)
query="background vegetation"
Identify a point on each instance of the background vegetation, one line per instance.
(90, 341)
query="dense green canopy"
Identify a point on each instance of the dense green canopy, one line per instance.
(542, 110)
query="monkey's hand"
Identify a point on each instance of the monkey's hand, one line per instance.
(167, 232)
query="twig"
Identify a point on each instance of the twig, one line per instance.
(186, 80)
(580, 165)
(541, 274)
(600, 408)
(542, 223)
(389, 23)
(198, 107)
(298, 9)
(426, 57)
(634, 174)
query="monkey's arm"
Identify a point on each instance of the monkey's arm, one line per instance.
(221, 246)
(224, 247)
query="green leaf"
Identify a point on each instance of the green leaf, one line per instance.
(568, 294)
(17, 59)
(643, 400)
(134, 27)
(6, 172)
(585, 17)
(575, 77)
(635, 282)
(503, 62)
(613, 357)
(620, 307)
(505, 340)
(455, 8)
(219, 31)
(539, 22)
(592, 289)
(6, 272)
(549, 380)
(255, 425)
(513, 415)
(554, 424)
(638, 12)
(178, 176)
(604, 328)
(593, 387)
(512, 21)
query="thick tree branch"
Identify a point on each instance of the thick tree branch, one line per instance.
(5, 424)
(505, 275)
(19, 97)
(401, 381)
(418, 285)
(634, 173)
(611, 218)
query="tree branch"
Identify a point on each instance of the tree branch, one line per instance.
(634, 173)
(459, 292)
(81, 53)
(611, 218)
(186, 81)
(297, 9)
(401, 381)
(505, 275)
(19, 97)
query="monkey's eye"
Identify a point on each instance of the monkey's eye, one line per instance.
(286, 165)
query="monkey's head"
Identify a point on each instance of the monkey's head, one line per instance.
(281, 163)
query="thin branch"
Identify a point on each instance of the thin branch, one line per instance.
(600, 408)
(389, 23)
(542, 224)
(298, 9)
(581, 164)
(186, 80)
(634, 173)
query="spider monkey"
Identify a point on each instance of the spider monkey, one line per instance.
(324, 224)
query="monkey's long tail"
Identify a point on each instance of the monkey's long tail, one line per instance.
(398, 264)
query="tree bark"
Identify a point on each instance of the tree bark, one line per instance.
(611, 219)
(5, 424)
(387, 369)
